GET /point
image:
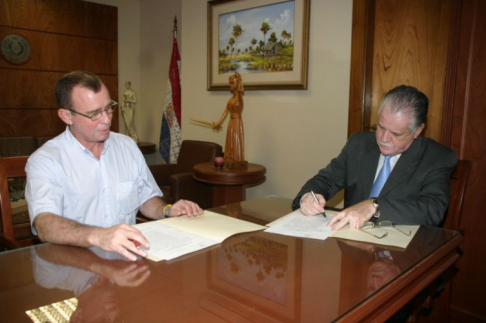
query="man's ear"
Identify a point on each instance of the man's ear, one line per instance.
(65, 116)
(419, 131)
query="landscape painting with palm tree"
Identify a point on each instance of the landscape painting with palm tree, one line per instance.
(257, 40)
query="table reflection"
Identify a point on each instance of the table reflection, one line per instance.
(90, 274)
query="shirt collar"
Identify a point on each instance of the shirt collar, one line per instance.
(75, 141)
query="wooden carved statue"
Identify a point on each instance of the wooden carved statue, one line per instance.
(234, 151)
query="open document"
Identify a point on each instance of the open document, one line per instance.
(315, 227)
(175, 237)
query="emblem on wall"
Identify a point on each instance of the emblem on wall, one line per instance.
(15, 49)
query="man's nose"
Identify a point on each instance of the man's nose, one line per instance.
(385, 136)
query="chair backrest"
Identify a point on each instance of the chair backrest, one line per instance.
(194, 152)
(458, 188)
(10, 167)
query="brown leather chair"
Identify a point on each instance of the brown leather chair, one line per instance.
(176, 181)
(14, 226)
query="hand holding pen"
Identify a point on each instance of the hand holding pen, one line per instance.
(312, 204)
(317, 201)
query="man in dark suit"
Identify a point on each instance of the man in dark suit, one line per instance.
(416, 190)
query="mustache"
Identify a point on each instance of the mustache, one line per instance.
(384, 144)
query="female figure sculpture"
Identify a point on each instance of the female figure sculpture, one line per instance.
(128, 110)
(234, 152)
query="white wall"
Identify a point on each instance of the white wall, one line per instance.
(157, 23)
(144, 48)
(291, 133)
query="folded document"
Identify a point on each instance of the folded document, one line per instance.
(175, 237)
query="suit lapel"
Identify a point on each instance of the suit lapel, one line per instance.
(405, 166)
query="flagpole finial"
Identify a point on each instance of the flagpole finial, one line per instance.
(175, 26)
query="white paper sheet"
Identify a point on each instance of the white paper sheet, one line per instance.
(298, 225)
(315, 227)
(167, 243)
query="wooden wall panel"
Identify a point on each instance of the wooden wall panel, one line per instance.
(27, 89)
(64, 35)
(100, 55)
(410, 47)
(55, 52)
(22, 89)
(30, 122)
(102, 23)
(468, 138)
(69, 17)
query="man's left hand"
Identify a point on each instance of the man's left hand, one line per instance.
(185, 207)
(355, 216)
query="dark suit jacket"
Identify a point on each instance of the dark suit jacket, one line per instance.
(417, 191)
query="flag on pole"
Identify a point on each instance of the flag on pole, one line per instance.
(170, 132)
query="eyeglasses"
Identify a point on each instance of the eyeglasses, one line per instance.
(381, 224)
(97, 114)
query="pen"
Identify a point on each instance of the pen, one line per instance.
(315, 199)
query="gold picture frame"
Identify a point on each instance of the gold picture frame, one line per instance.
(266, 41)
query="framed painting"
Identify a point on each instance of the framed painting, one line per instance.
(266, 41)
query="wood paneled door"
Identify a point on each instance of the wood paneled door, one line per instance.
(394, 43)
(438, 46)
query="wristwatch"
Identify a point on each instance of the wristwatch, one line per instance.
(374, 200)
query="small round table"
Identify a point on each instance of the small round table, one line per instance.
(229, 184)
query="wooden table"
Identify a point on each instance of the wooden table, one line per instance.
(229, 184)
(252, 277)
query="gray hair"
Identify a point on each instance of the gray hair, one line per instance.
(406, 99)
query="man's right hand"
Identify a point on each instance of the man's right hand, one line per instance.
(309, 206)
(122, 239)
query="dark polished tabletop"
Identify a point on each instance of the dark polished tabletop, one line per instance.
(251, 277)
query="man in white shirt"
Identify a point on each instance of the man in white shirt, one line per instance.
(85, 186)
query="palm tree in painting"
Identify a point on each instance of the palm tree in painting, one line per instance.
(286, 35)
(273, 38)
(231, 42)
(264, 29)
(253, 42)
(237, 31)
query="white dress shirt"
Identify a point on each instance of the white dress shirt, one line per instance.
(64, 178)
